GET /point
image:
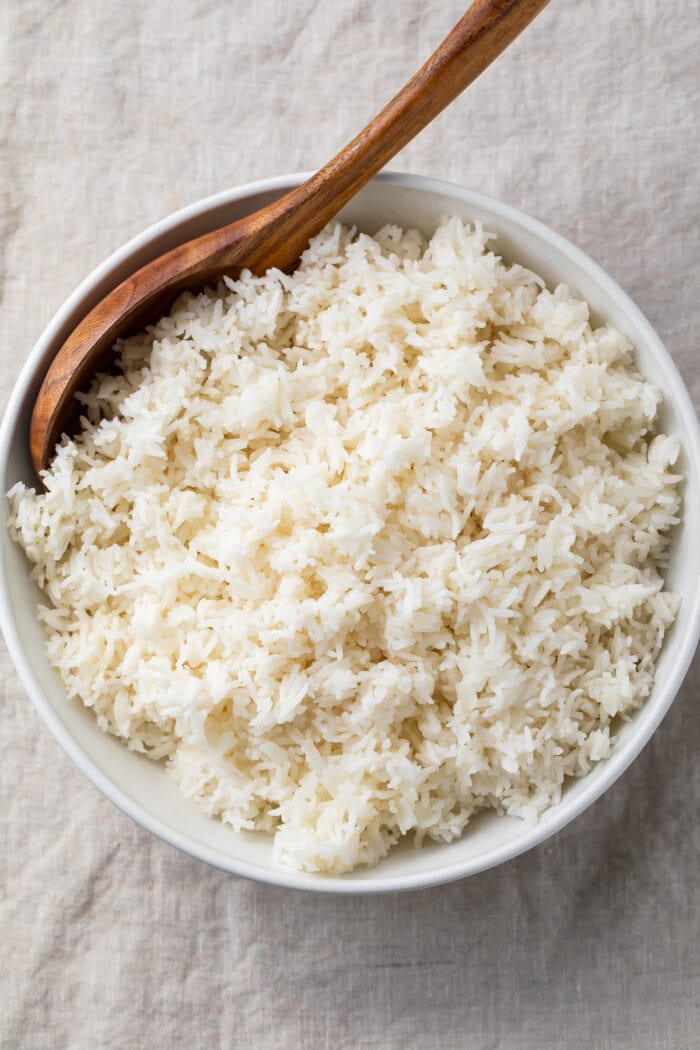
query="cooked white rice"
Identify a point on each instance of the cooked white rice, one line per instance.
(365, 549)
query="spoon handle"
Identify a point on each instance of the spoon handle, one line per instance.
(487, 28)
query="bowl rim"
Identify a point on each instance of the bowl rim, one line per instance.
(568, 808)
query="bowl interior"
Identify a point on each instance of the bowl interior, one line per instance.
(141, 788)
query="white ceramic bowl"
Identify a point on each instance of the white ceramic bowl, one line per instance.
(142, 789)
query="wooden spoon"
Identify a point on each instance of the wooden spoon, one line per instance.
(277, 234)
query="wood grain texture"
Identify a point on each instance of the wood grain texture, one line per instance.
(277, 234)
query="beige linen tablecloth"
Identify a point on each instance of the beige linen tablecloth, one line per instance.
(116, 113)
